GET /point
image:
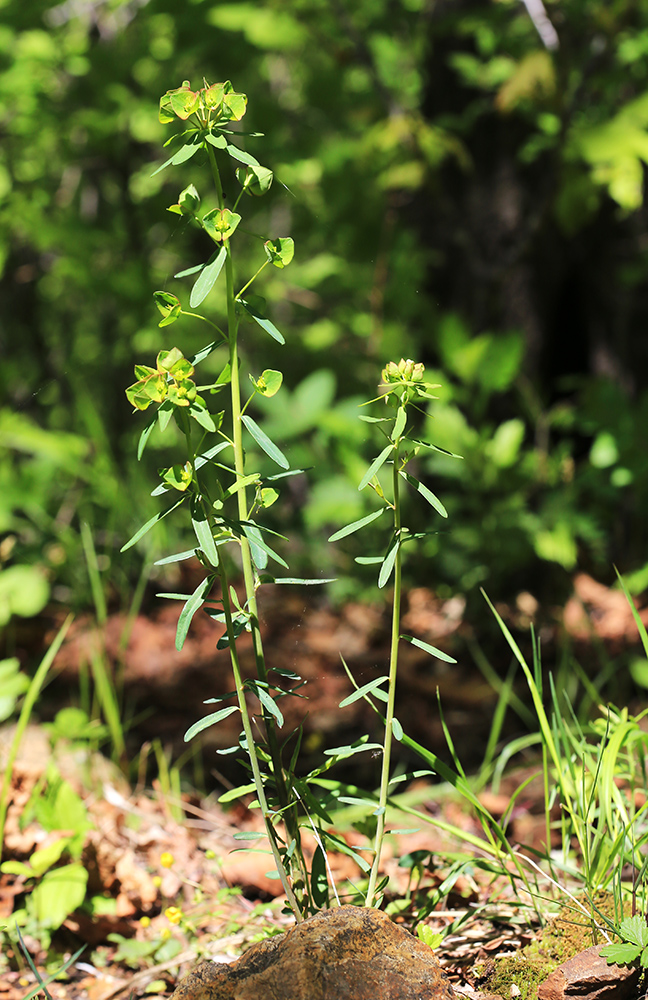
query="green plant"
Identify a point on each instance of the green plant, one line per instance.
(56, 890)
(633, 932)
(224, 498)
(403, 386)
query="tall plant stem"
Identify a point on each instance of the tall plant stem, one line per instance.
(287, 804)
(249, 739)
(391, 695)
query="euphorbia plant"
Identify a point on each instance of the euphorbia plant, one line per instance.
(223, 496)
(226, 500)
(403, 388)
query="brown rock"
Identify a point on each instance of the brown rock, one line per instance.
(589, 977)
(349, 953)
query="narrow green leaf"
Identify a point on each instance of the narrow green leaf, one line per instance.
(195, 602)
(370, 688)
(185, 153)
(209, 720)
(319, 879)
(425, 492)
(207, 278)
(368, 560)
(259, 555)
(240, 484)
(202, 416)
(211, 453)
(432, 650)
(435, 447)
(203, 532)
(356, 525)
(397, 729)
(350, 751)
(388, 563)
(265, 443)
(237, 793)
(256, 539)
(189, 270)
(269, 704)
(399, 423)
(375, 466)
(149, 524)
(262, 320)
(178, 557)
(144, 436)
(241, 156)
(304, 583)
(249, 835)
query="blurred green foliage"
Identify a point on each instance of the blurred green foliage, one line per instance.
(457, 193)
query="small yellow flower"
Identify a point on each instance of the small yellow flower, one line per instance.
(145, 921)
(165, 934)
(157, 881)
(173, 914)
(166, 859)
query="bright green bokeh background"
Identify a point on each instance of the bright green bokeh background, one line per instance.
(457, 194)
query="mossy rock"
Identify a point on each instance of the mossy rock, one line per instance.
(566, 935)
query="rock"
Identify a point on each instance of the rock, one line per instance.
(348, 953)
(589, 977)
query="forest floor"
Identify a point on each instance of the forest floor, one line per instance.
(168, 882)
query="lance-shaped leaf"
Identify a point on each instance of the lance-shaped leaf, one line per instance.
(207, 278)
(195, 602)
(432, 650)
(351, 750)
(149, 524)
(177, 557)
(242, 156)
(356, 525)
(399, 423)
(241, 483)
(181, 156)
(210, 720)
(257, 541)
(201, 415)
(373, 687)
(203, 532)
(375, 466)
(267, 701)
(144, 436)
(299, 582)
(265, 443)
(388, 563)
(425, 492)
(253, 306)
